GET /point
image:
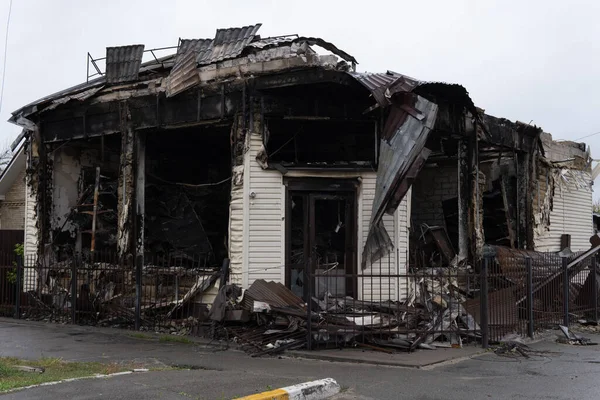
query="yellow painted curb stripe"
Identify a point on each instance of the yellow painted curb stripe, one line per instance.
(277, 394)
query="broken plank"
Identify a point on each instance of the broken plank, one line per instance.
(202, 285)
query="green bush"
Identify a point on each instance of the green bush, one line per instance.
(11, 275)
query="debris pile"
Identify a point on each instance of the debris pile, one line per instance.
(514, 349)
(275, 319)
(105, 294)
(572, 338)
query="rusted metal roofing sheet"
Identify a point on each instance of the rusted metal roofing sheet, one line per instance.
(123, 63)
(228, 43)
(183, 74)
(273, 293)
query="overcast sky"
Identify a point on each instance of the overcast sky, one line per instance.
(523, 60)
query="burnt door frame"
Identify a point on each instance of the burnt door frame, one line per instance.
(311, 189)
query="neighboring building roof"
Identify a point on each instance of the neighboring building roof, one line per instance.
(12, 171)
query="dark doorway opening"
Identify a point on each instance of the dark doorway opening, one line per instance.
(188, 185)
(321, 228)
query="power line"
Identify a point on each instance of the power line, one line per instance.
(5, 51)
(587, 136)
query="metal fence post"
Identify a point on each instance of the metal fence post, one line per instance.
(484, 311)
(530, 322)
(74, 290)
(138, 292)
(595, 286)
(309, 310)
(18, 286)
(565, 291)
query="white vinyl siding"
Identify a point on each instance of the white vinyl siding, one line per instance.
(266, 225)
(378, 288)
(264, 256)
(236, 233)
(30, 246)
(31, 234)
(571, 214)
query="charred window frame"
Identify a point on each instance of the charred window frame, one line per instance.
(322, 142)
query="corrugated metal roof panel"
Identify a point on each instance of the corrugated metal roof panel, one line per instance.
(228, 43)
(193, 45)
(272, 42)
(327, 46)
(184, 75)
(123, 63)
(401, 156)
(379, 83)
(273, 293)
(290, 39)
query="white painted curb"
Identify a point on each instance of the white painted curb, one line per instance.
(315, 390)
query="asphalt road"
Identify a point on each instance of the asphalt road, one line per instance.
(564, 372)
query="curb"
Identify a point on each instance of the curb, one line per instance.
(384, 363)
(315, 390)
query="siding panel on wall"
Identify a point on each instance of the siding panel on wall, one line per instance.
(266, 227)
(394, 263)
(571, 214)
(236, 234)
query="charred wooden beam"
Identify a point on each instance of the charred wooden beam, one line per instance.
(148, 112)
(140, 195)
(304, 77)
(464, 173)
(523, 199)
(126, 184)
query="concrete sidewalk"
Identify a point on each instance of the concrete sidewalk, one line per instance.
(87, 343)
(417, 359)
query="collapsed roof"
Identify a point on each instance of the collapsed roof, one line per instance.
(236, 56)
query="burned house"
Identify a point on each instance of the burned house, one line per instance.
(277, 154)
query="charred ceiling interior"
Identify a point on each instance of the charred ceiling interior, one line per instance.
(149, 157)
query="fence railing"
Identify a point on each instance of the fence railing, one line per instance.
(508, 292)
(425, 307)
(103, 291)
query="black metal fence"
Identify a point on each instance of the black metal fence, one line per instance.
(508, 292)
(168, 291)
(451, 303)
(530, 290)
(420, 309)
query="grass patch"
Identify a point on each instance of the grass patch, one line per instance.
(175, 339)
(55, 369)
(140, 336)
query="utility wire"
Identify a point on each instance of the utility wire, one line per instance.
(590, 135)
(5, 51)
